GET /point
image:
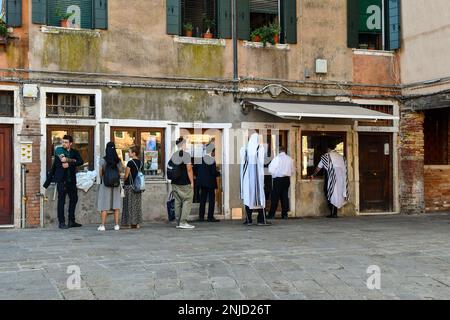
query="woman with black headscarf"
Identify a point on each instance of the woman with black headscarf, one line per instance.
(109, 191)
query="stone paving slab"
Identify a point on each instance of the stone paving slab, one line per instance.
(291, 260)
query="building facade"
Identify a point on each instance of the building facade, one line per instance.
(425, 71)
(127, 71)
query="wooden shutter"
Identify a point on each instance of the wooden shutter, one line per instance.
(353, 23)
(14, 13)
(289, 21)
(101, 14)
(393, 25)
(173, 17)
(39, 14)
(224, 17)
(243, 19)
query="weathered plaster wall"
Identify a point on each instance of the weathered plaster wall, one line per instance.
(425, 40)
(140, 46)
(15, 53)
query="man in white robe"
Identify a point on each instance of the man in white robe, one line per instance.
(252, 179)
(336, 179)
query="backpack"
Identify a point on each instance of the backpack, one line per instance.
(111, 176)
(173, 171)
(138, 184)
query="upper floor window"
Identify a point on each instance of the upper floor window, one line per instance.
(216, 15)
(70, 105)
(374, 24)
(87, 14)
(6, 103)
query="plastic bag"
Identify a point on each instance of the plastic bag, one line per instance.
(85, 180)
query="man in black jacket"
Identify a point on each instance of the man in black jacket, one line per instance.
(207, 174)
(66, 162)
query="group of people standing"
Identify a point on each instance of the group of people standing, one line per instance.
(113, 196)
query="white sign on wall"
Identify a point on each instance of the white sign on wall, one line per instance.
(26, 152)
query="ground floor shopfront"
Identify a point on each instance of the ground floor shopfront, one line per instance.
(153, 119)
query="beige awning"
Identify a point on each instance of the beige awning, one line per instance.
(298, 110)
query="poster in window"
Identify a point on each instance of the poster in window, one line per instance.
(151, 144)
(151, 161)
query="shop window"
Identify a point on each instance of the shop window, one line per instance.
(436, 136)
(70, 105)
(366, 27)
(6, 104)
(86, 14)
(151, 143)
(83, 142)
(314, 145)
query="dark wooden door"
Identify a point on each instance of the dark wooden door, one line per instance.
(6, 181)
(375, 154)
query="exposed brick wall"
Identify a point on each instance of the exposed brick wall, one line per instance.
(31, 132)
(412, 162)
(437, 188)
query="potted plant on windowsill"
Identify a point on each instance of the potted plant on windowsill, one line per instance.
(3, 31)
(267, 35)
(255, 36)
(64, 18)
(275, 29)
(208, 25)
(188, 29)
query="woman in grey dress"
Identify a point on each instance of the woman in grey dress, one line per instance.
(109, 197)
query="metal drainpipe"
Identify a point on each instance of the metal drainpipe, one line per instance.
(235, 44)
(23, 213)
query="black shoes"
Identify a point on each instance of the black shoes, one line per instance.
(332, 216)
(248, 223)
(213, 220)
(73, 224)
(63, 226)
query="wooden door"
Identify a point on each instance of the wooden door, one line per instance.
(6, 175)
(375, 159)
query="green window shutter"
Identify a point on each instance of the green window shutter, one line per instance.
(353, 23)
(393, 25)
(86, 14)
(243, 19)
(289, 21)
(39, 14)
(174, 17)
(101, 14)
(14, 13)
(224, 17)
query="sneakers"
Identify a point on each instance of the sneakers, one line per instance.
(185, 226)
(101, 228)
(117, 227)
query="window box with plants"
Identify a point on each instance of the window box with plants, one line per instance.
(266, 34)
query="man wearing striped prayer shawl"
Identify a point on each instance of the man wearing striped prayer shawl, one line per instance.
(336, 179)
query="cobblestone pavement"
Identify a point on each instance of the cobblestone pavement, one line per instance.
(294, 259)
